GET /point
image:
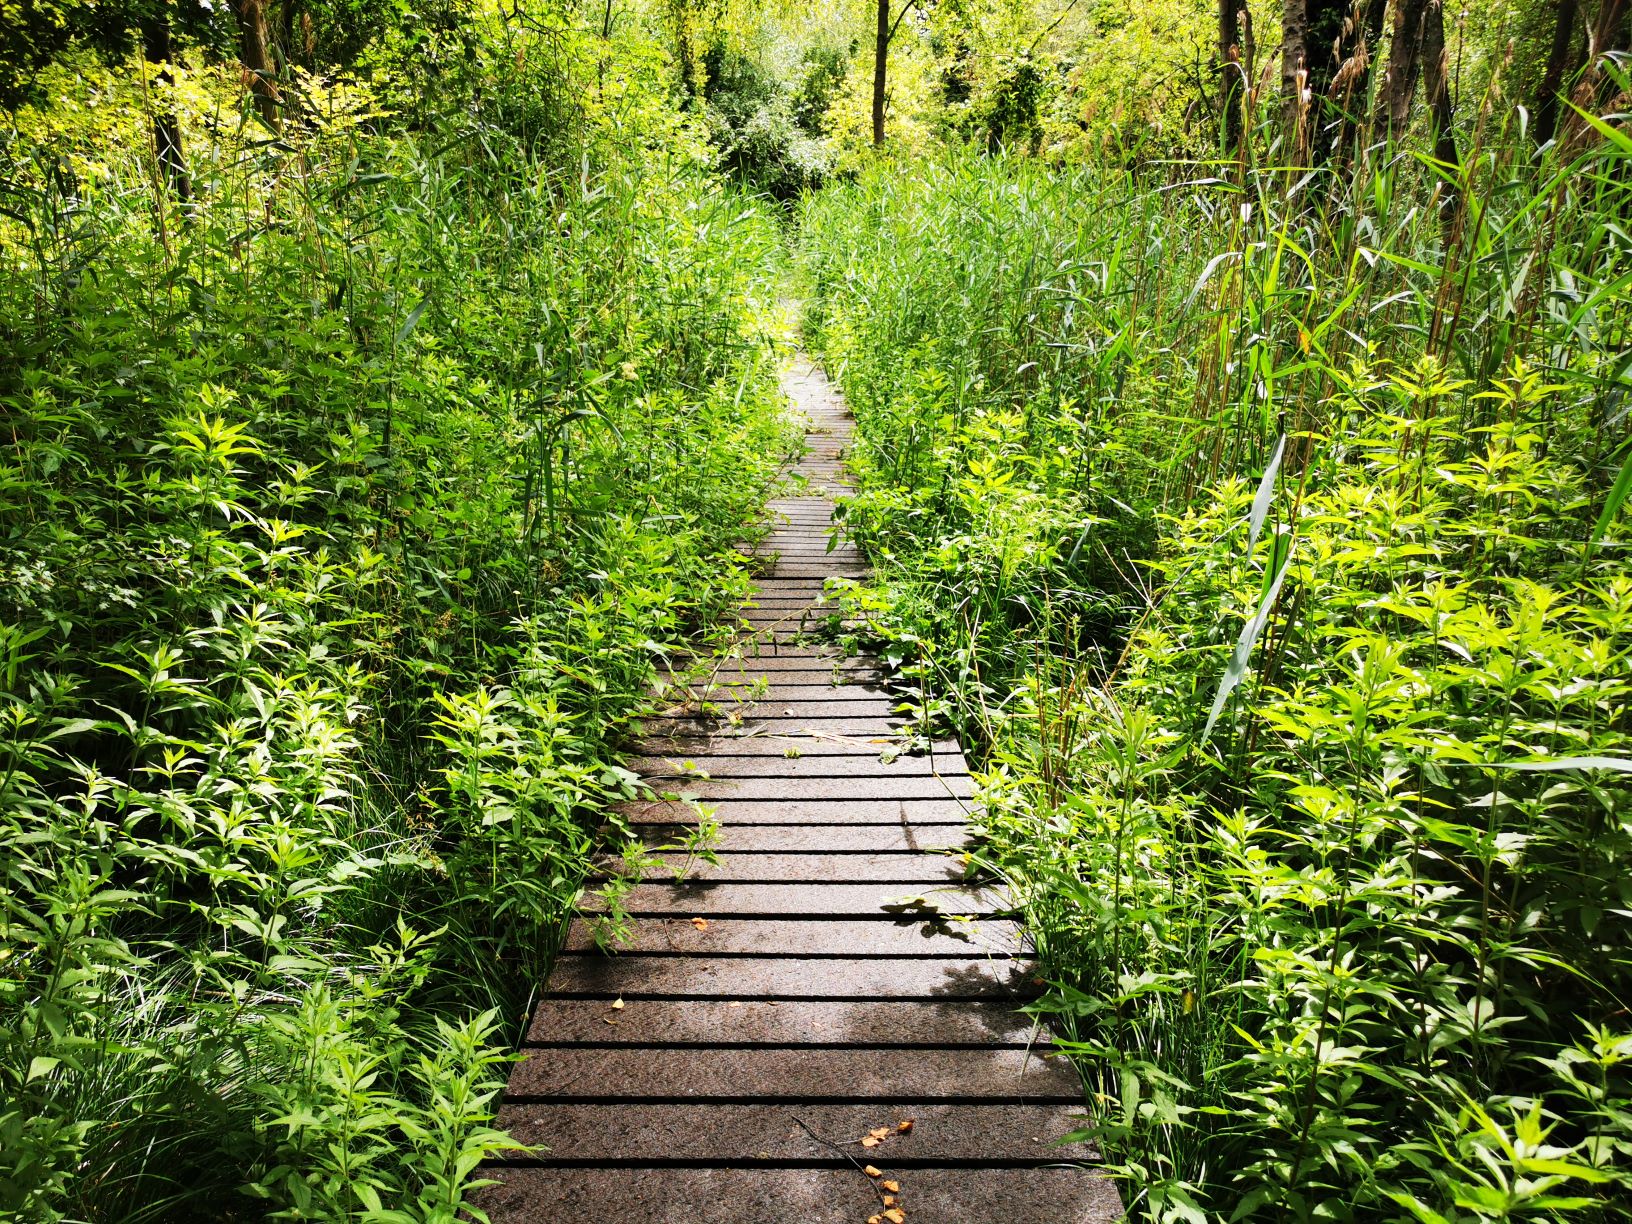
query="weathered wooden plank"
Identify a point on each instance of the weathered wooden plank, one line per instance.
(878, 899)
(800, 1195)
(719, 765)
(803, 1074)
(824, 838)
(749, 1134)
(727, 977)
(945, 752)
(929, 787)
(800, 937)
(901, 867)
(886, 812)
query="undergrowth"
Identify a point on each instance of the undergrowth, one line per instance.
(346, 512)
(1265, 529)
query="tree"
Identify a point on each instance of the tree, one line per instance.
(158, 51)
(1231, 88)
(255, 50)
(1311, 33)
(1559, 66)
(1404, 67)
(881, 50)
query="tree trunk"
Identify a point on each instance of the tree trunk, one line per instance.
(1606, 32)
(1436, 83)
(1404, 66)
(167, 148)
(1311, 31)
(256, 53)
(1231, 88)
(880, 66)
(1295, 71)
(1558, 67)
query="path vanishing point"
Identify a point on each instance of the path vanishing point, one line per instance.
(834, 999)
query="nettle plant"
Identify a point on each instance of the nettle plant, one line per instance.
(344, 526)
(1335, 873)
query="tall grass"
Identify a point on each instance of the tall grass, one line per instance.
(1265, 528)
(345, 515)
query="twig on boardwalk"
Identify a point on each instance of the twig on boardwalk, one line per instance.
(860, 1168)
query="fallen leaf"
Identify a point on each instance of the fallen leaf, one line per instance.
(876, 1219)
(617, 1005)
(879, 1132)
(700, 923)
(889, 1200)
(872, 1172)
(608, 1020)
(904, 1125)
(895, 1215)
(894, 1187)
(734, 1003)
(870, 1142)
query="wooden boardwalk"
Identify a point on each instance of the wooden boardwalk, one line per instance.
(835, 976)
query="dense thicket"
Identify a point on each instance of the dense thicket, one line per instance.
(346, 510)
(1265, 525)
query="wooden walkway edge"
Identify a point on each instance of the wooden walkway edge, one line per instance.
(836, 979)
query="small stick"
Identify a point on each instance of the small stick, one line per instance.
(860, 1168)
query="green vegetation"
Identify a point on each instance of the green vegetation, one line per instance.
(346, 514)
(1271, 542)
(1243, 452)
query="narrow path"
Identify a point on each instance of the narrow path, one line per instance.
(834, 976)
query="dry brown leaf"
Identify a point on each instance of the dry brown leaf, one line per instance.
(894, 1187)
(889, 1200)
(617, 1004)
(880, 1132)
(870, 1142)
(875, 1219)
(872, 1172)
(895, 1215)
(700, 923)
(608, 1020)
(904, 1125)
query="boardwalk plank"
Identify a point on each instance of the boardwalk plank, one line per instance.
(810, 937)
(727, 977)
(597, 1073)
(810, 1195)
(755, 1134)
(738, 1022)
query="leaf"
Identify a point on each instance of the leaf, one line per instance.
(412, 321)
(1266, 492)
(700, 923)
(1237, 667)
(904, 1126)
(895, 1215)
(1617, 498)
(894, 1187)
(1548, 764)
(873, 1171)
(869, 1142)
(617, 1004)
